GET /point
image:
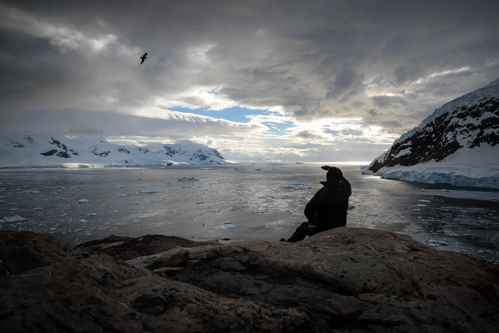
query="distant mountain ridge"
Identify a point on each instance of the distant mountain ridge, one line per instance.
(462, 134)
(28, 149)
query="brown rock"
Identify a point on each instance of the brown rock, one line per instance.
(52, 287)
(347, 279)
(350, 277)
(126, 248)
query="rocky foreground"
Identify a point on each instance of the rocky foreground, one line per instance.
(343, 280)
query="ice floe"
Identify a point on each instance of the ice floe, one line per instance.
(229, 224)
(83, 201)
(57, 188)
(15, 218)
(149, 190)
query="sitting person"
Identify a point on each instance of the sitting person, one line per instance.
(328, 208)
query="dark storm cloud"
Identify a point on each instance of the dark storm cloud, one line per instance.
(388, 101)
(314, 59)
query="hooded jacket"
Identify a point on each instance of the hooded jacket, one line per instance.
(328, 207)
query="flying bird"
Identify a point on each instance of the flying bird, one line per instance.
(144, 57)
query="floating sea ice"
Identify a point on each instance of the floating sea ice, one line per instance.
(371, 228)
(149, 190)
(261, 211)
(15, 218)
(122, 195)
(57, 188)
(443, 243)
(135, 203)
(278, 197)
(136, 178)
(38, 208)
(305, 186)
(83, 200)
(424, 201)
(351, 206)
(31, 191)
(416, 209)
(2, 201)
(230, 226)
(82, 221)
(372, 214)
(199, 202)
(294, 182)
(421, 205)
(228, 222)
(91, 214)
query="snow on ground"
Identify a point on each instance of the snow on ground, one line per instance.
(465, 168)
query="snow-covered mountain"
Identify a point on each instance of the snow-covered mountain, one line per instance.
(458, 144)
(44, 150)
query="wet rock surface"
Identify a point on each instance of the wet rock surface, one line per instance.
(347, 279)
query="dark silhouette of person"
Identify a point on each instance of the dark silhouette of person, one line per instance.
(144, 57)
(328, 207)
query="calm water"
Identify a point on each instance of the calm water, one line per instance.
(257, 199)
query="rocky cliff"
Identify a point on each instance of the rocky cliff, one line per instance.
(343, 280)
(461, 133)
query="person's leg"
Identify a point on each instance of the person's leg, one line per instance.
(302, 231)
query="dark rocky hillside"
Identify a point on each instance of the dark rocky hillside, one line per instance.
(468, 122)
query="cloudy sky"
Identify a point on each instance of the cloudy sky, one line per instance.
(274, 80)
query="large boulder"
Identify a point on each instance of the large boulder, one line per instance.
(346, 279)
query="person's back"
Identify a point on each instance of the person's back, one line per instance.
(328, 207)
